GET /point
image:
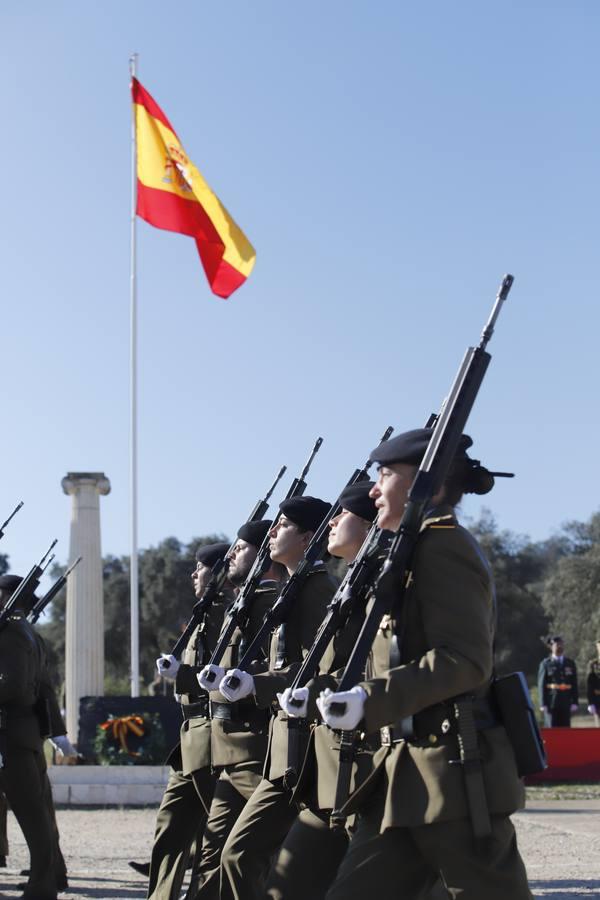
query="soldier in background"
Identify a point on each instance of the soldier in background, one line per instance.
(593, 686)
(52, 727)
(23, 776)
(557, 685)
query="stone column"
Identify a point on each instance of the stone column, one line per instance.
(84, 650)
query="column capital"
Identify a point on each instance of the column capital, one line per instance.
(74, 481)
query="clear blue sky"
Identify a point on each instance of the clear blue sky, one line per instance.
(389, 161)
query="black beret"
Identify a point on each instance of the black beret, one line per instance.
(10, 582)
(355, 498)
(254, 532)
(306, 512)
(209, 554)
(554, 639)
(410, 448)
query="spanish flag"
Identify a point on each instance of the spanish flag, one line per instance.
(172, 194)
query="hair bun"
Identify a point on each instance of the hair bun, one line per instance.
(479, 480)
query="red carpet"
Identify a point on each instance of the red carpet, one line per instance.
(573, 755)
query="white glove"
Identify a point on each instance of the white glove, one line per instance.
(210, 676)
(243, 687)
(543, 709)
(574, 707)
(294, 702)
(348, 707)
(167, 666)
(63, 745)
(592, 709)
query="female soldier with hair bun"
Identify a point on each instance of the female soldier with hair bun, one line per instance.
(422, 814)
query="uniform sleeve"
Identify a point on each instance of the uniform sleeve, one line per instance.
(309, 612)
(453, 590)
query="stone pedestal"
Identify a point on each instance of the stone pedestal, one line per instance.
(84, 650)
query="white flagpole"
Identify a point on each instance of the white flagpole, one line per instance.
(133, 568)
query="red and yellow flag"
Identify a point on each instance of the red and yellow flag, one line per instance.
(172, 194)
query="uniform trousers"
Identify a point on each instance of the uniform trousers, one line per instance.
(308, 859)
(60, 868)
(258, 833)
(407, 862)
(180, 820)
(23, 780)
(559, 717)
(3, 826)
(234, 787)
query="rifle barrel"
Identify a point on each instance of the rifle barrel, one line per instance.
(12, 515)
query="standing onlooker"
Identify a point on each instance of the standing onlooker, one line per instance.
(593, 686)
(557, 683)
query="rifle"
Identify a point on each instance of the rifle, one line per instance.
(240, 611)
(38, 608)
(280, 609)
(218, 575)
(27, 588)
(13, 513)
(390, 586)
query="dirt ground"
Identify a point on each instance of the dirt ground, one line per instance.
(559, 840)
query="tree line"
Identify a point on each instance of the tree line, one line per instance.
(542, 588)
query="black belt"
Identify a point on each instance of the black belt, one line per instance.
(235, 712)
(435, 722)
(194, 710)
(224, 710)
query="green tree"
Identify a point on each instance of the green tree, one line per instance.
(571, 592)
(166, 600)
(518, 565)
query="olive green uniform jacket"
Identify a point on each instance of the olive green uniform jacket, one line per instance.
(194, 737)
(23, 775)
(448, 623)
(301, 627)
(244, 736)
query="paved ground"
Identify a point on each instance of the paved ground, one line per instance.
(559, 839)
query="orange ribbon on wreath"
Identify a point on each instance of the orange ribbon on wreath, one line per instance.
(120, 728)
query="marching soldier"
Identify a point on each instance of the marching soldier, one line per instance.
(593, 686)
(239, 730)
(52, 726)
(557, 684)
(422, 814)
(268, 815)
(309, 857)
(23, 776)
(188, 794)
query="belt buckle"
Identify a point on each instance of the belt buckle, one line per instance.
(386, 736)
